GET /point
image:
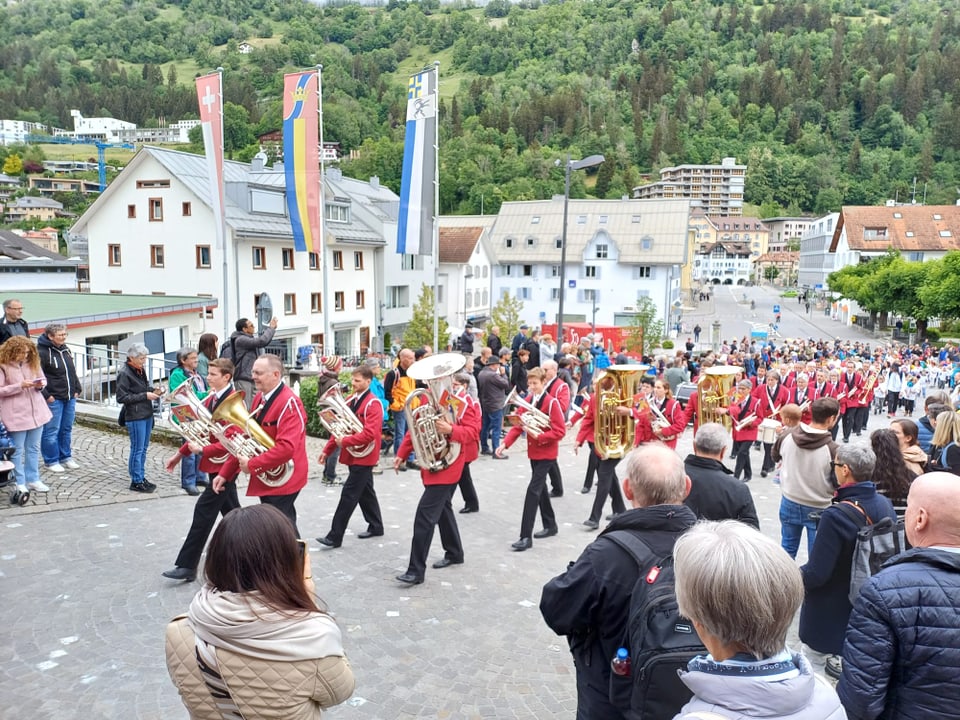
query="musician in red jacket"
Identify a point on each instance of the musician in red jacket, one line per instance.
(849, 394)
(770, 398)
(461, 425)
(803, 395)
(358, 489)
(280, 413)
(662, 408)
(558, 389)
(470, 451)
(607, 482)
(212, 456)
(542, 449)
(743, 414)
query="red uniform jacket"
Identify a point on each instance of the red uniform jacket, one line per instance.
(790, 379)
(213, 455)
(561, 391)
(369, 411)
(849, 391)
(471, 450)
(739, 411)
(826, 390)
(587, 431)
(798, 399)
(286, 422)
(546, 446)
(466, 431)
(672, 411)
(766, 406)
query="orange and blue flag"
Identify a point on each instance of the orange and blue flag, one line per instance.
(301, 158)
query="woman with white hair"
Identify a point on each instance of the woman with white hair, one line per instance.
(741, 591)
(136, 394)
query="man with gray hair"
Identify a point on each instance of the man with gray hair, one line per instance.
(12, 322)
(61, 393)
(589, 602)
(714, 494)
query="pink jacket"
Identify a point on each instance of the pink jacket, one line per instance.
(22, 408)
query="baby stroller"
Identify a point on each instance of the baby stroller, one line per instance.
(6, 467)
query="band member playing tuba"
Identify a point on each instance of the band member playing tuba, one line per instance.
(212, 456)
(279, 412)
(457, 423)
(360, 452)
(542, 449)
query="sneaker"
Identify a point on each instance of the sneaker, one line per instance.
(150, 485)
(71, 464)
(143, 487)
(57, 468)
(38, 486)
(411, 465)
(833, 666)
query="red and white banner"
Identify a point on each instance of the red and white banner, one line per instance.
(210, 97)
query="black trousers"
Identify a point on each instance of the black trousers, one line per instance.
(285, 504)
(537, 497)
(768, 464)
(860, 419)
(593, 463)
(467, 489)
(556, 479)
(357, 490)
(434, 510)
(607, 484)
(741, 451)
(209, 505)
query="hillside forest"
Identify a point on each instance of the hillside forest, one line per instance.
(828, 102)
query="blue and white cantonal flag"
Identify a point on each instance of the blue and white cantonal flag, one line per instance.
(415, 223)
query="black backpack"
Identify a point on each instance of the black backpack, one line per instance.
(659, 639)
(229, 351)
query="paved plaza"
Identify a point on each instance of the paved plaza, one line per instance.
(86, 605)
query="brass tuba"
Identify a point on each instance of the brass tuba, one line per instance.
(532, 419)
(616, 386)
(714, 391)
(425, 406)
(197, 430)
(340, 421)
(250, 441)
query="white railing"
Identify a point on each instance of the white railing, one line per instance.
(97, 369)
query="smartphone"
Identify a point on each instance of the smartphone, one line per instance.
(304, 557)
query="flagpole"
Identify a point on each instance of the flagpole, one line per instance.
(225, 297)
(436, 208)
(322, 248)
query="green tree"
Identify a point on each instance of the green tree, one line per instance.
(237, 131)
(506, 315)
(645, 330)
(940, 294)
(13, 165)
(771, 272)
(419, 330)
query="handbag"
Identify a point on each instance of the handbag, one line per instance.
(122, 417)
(876, 543)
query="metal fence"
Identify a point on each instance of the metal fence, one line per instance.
(97, 370)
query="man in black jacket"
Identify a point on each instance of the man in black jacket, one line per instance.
(714, 494)
(589, 602)
(247, 347)
(12, 322)
(493, 341)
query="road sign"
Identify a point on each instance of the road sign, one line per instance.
(572, 283)
(776, 309)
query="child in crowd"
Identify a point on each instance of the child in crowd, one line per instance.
(790, 415)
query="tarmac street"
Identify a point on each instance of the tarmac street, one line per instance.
(86, 606)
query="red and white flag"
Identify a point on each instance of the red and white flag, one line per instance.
(210, 97)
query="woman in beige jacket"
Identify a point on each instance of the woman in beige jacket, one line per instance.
(908, 436)
(254, 644)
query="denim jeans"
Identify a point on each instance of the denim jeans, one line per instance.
(794, 517)
(190, 471)
(58, 432)
(139, 431)
(490, 430)
(26, 457)
(400, 429)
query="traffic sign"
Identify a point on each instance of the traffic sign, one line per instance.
(572, 283)
(776, 309)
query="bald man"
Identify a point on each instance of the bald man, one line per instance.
(902, 647)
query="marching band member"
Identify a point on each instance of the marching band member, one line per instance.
(212, 456)
(607, 483)
(542, 449)
(849, 394)
(660, 401)
(770, 399)
(470, 451)
(558, 389)
(743, 414)
(358, 488)
(803, 396)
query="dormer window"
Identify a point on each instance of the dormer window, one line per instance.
(535, 220)
(508, 242)
(531, 241)
(874, 233)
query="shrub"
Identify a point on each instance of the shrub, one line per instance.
(667, 345)
(933, 335)
(308, 396)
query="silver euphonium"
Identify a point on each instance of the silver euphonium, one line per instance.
(423, 408)
(197, 431)
(341, 420)
(532, 418)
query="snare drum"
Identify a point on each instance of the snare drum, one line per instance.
(768, 430)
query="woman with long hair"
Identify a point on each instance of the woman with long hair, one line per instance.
(891, 474)
(207, 351)
(24, 411)
(254, 641)
(944, 450)
(908, 435)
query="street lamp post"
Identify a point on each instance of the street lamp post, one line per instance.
(587, 162)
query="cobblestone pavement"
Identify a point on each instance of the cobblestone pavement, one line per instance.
(86, 605)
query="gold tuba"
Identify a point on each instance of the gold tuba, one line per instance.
(250, 441)
(425, 406)
(340, 421)
(616, 386)
(532, 419)
(713, 392)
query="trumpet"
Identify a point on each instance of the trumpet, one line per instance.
(872, 378)
(340, 421)
(533, 420)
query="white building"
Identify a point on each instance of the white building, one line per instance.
(26, 266)
(785, 230)
(816, 260)
(102, 128)
(153, 231)
(13, 132)
(712, 189)
(466, 270)
(617, 252)
(723, 263)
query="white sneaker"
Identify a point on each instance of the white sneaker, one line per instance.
(72, 464)
(57, 468)
(38, 486)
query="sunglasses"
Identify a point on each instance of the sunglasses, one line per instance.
(837, 465)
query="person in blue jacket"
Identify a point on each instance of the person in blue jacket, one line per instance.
(902, 646)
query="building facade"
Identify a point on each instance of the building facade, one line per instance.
(723, 263)
(816, 260)
(466, 271)
(29, 207)
(711, 189)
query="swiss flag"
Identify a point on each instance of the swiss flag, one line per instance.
(210, 98)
